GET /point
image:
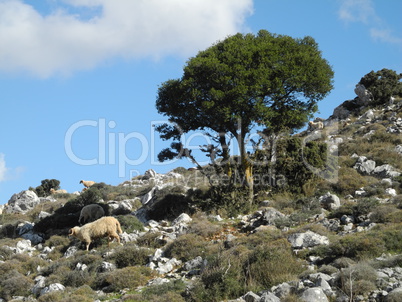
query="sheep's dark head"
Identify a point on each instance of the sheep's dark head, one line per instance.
(81, 181)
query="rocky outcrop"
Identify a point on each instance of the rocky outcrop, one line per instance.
(22, 202)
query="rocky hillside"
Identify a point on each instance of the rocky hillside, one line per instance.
(338, 241)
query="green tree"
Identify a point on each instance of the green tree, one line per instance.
(383, 84)
(46, 185)
(267, 80)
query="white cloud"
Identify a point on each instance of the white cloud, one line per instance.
(363, 11)
(65, 40)
(3, 168)
(8, 173)
(357, 11)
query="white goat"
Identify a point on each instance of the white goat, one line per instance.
(87, 183)
(107, 226)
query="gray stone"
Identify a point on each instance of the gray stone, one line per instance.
(22, 202)
(314, 294)
(269, 297)
(364, 166)
(52, 288)
(330, 201)
(307, 239)
(107, 267)
(386, 171)
(269, 216)
(196, 263)
(251, 297)
(363, 94)
(182, 218)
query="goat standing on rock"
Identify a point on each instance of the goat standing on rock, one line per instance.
(87, 183)
(107, 226)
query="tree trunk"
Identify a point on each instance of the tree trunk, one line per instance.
(246, 166)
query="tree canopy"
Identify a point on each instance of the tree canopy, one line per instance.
(383, 84)
(267, 80)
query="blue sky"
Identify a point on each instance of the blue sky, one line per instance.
(79, 78)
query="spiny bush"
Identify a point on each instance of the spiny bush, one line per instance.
(256, 266)
(169, 292)
(130, 223)
(186, 247)
(349, 180)
(16, 284)
(128, 277)
(130, 255)
(200, 225)
(357, 279)
(151, 240)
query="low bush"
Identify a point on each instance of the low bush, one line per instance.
(16, 284)
(357, 279)
(130, 223)
(151, 240)
(253, 267)
(128, 277)
(129, 255)
(187, 247)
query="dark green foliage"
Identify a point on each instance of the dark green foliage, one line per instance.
(362, 207)
(130, 223)
(251, 266)
(46, 184)
(186, 247)
(383, 84)
(174, 288)
(268, 80)
(295, 165)
(15, 284)
(151, 240)
(108, 192)
(131, 255)
(128, 277)
(67, 216)
(171, 202)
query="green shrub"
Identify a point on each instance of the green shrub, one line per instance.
(358, 279)
(186, 247)
(383, 213)
(15, 284)
(130, 223)
(46, 184)
(169, 292)
(200, 225)
(130, 254)
(151, 240)
(270, 264)
(349, 180)
(171, 202)
(128, 277)
(253, 267)
(77, 278)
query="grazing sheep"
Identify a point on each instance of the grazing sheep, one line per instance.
(107, 226)
(87, 183)
(53, 191)
(90, 213)
(315, 125)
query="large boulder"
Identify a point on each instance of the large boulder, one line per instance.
(22, 202)
(386, 171)
(307, 239)
(330, 201)
(364, 166)
(314, 294)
